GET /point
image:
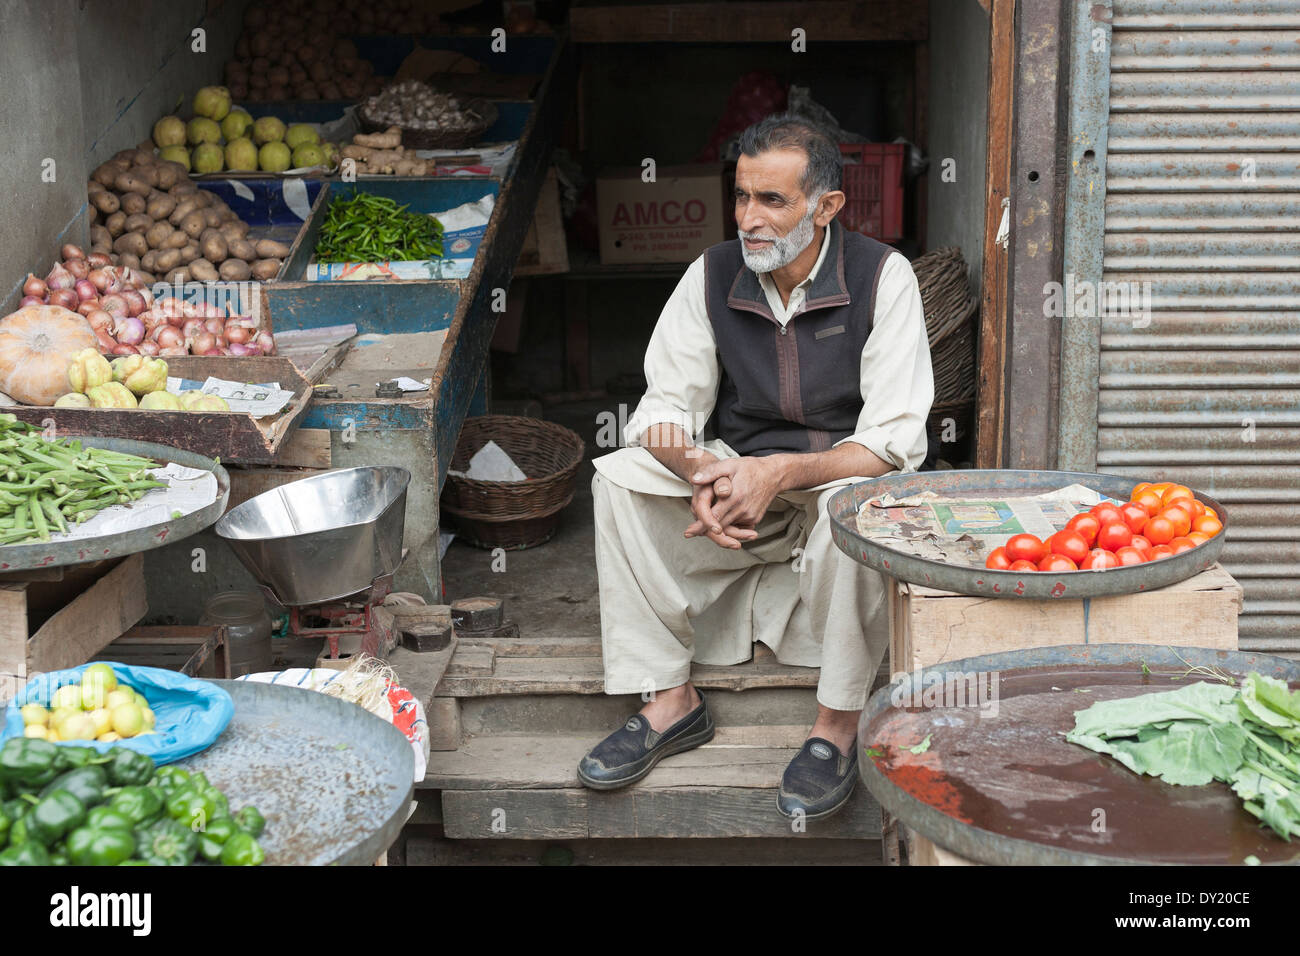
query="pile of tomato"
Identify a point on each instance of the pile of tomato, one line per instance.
(1158, 521)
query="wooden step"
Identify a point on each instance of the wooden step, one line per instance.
(421, 850)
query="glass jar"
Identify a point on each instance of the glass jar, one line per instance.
(248, 629)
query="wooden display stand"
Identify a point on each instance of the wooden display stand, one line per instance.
(929, 627)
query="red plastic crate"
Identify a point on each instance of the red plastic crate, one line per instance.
(873, 185)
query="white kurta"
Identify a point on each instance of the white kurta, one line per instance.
(667, 600)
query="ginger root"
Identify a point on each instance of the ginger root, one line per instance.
(390, 139)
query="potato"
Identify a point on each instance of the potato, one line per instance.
(203, 199)
(182, 210)
(156, 234)
(94, 215)
(147, 277)
(147, 172)
(138, 222)
(100, 236)
(183, 189)
(129, 260)
(133, 203)
(132, 242)
(203, 269)
(193, 224)
(234, 270)
(169, 174)
(149, 260)
(235, 229)
(215, 248)
(189, 252)
(105, 174)
(106, 203)
(116, 224)
(178, 276)
(212, 218)
(270, 249)
(144, 154)
(165, 260)
(176, 240)
(131, 183)
(126, 156)
(161, 207)
(265, 268)
(241, 249)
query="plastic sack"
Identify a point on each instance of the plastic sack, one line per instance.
(190, 714)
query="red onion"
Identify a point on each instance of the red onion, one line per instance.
(106, 343)
(149, 348)
(30, 300)
(151, 320)
(266, 342)
(79, 268)
(114, 305)
(168, 337)
(100, 278)
(143, 288)
(115, 283)
(65, 298)
(237, 334)
(60, 278)
(191, 327)
(213, 311)
(86, 290)
(214, 325)
(202, 343)
(252, 349)
(69, 251)
(99, 319)
(129, 331)
(237, 348)
(211, 352)
(174, 350)
(221, 342)
(125, 350)
(134, 302)
(35, 287)
(89, 306)
(98, 260)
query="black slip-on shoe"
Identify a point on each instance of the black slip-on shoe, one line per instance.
(818, 781)
(632, 751)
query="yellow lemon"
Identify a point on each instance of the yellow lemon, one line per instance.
(102, 674)
(119, 696)
(36, 731)
(35, 714)
(149, 717)
(108, 737)
(103, 721)
(128, 719)
(78, 727)
(67, 696)
(92, 695)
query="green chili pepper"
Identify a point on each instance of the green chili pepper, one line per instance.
(88, 846)
(242, 849)
(167, 843)
(128, 767)
(25, 854)
(54, 816)
(140, 804)
(27, 762)
(251, 820)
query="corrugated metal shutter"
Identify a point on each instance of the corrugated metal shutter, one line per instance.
(1203, 201)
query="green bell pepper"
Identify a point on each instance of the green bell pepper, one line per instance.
(190, 808)
(214, 837)
(222, 811)
(166, 843)
(54, 816)
(25, 854)
(28, 763)
(170, 778)
(251, 820)
(18, 832)
(59, 856)
(69, 758)
(108, 818)
(6, 822)
(86, 783)
(141, 804)
(242, 850)
(88, 846)
(129, 768)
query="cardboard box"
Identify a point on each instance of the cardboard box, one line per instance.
(673, 219)
(928, 626)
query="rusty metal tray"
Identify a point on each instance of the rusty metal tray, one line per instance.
(999, 784)
(978, 485)
(333, 780)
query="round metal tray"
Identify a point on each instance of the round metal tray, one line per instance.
(46, 554)
(964, 579)
(333, 780)
(999, 783)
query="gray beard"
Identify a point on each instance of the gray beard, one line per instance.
(784, 249)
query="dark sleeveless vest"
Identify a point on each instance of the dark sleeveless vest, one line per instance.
(797, 389)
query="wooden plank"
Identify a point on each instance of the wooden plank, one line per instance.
(92, 620)
(714, 812)
(421, 673)
(545, 250)
(990, 394)
(13, 639)
(248, 483)
(535, 647)
(922, 851)
(899, 21)
(32, 574)
(305, 448)
(470, 662)
(443, 714)
(432, 850)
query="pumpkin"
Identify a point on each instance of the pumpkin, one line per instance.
(36, 344)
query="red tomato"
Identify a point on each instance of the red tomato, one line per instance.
(998, 560)
(1135, 516)
(1207, 525)
(1182, 543)
(1086, 525)
(1199, 537)
(1023, 566)
(1099, 559)
(1143, 545)
(1149, 502)
(1071, 544)
(1160, 531)
(1129, 556)
(1114, 536)
(1025, 547)
(1180, 516)
(1106, 513)
(1161, 551)
(1057, 562)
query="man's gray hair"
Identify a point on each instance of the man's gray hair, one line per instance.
(824, 171)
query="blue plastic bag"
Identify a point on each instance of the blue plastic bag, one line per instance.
(190, 714)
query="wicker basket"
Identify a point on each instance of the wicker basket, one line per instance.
(513, 514)
(439, 138)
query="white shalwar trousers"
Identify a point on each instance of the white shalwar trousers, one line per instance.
(667, 601)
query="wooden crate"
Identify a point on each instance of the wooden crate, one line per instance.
(197, 651)
(928, 626)
(48, 625)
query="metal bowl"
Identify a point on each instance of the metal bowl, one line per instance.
(965, 579)
(322, 538)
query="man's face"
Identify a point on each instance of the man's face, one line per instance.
(773, 216)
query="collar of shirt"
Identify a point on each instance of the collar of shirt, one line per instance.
(784, 313)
